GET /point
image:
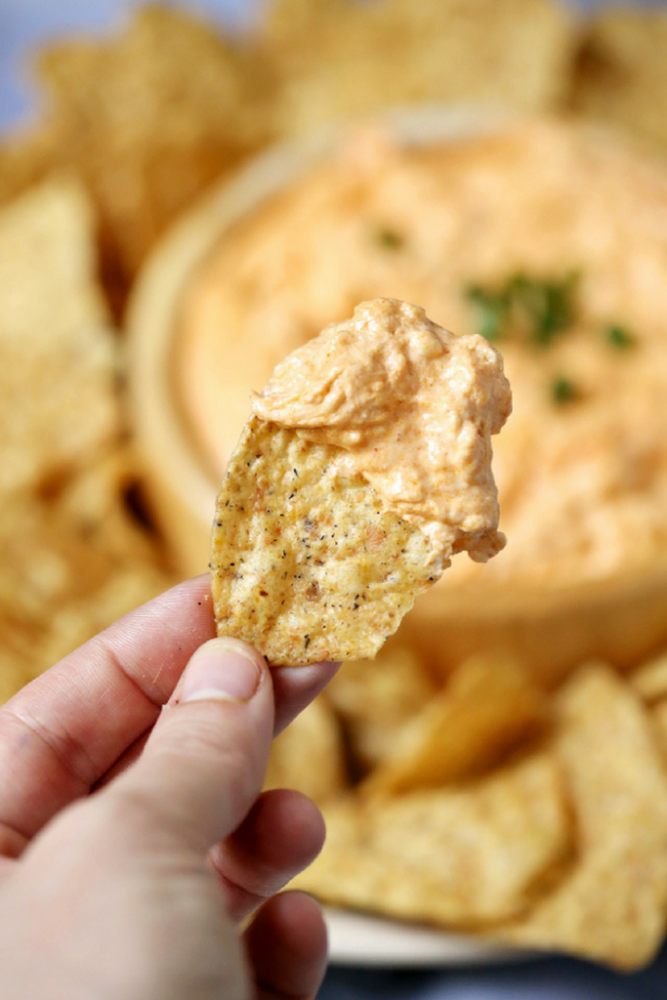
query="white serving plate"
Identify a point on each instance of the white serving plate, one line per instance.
(359, 939)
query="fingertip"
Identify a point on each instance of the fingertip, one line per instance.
(222, 667)
(304, 819)
(296, 687)
(284, 830)
(304, 924)
(281, 835)
(229, 643)
(302, 915)
(287, 945)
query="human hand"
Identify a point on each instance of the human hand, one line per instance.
(136, 891)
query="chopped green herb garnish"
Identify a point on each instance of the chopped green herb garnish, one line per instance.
(389, 238)
(533, 307)
(563, 390)
(491, 309)
(618, 336)
(548, 306)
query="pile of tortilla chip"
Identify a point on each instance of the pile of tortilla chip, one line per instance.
(150, 115)
(532, 819)
(146, 119)
(74, 555)
(537, 819)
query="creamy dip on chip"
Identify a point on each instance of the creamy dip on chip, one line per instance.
(490, 234)
(413, 408)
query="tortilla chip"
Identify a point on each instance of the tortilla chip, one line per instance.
(148, 118)
(451, 857)
(73, 556)
(487, 707)
(44, 564)
(612, 905)
(377, 698)
(65, 575)
(77, 621)
(622, 74)
(26, 157)
(38, 576)
(308, 755)
(105, 504)
(650, 680)
(307, 567)
(337, 58)
(58, 401)
(17, 654)
(659, 719)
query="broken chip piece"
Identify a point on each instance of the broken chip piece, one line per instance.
(462, 856)
(611, 904)
(365, 466)
(488, 706)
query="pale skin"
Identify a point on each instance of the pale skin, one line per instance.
(134, 841)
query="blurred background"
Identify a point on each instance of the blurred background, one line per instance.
(116, 118)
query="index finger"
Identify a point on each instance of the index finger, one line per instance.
(62, 732)
(87, 715)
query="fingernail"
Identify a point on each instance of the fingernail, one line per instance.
(221, 670)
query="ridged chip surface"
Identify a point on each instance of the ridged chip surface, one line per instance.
(306, 566)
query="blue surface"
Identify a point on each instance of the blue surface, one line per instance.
(551, 979)
(24, 23)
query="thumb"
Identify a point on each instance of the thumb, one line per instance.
(204, 763)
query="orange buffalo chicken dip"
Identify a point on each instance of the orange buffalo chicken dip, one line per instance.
(412, 408)
(365, 466)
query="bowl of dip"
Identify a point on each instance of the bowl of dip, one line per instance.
(548, 238)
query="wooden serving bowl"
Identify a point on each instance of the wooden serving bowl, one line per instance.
(620, 619)
(180, 483)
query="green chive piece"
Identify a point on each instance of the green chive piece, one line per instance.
(389, 238)
(563, 390)
(619, 337)
(548, 305)
(491, 310)
(534, 308)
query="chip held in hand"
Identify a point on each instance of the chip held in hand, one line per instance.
(365, 466)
